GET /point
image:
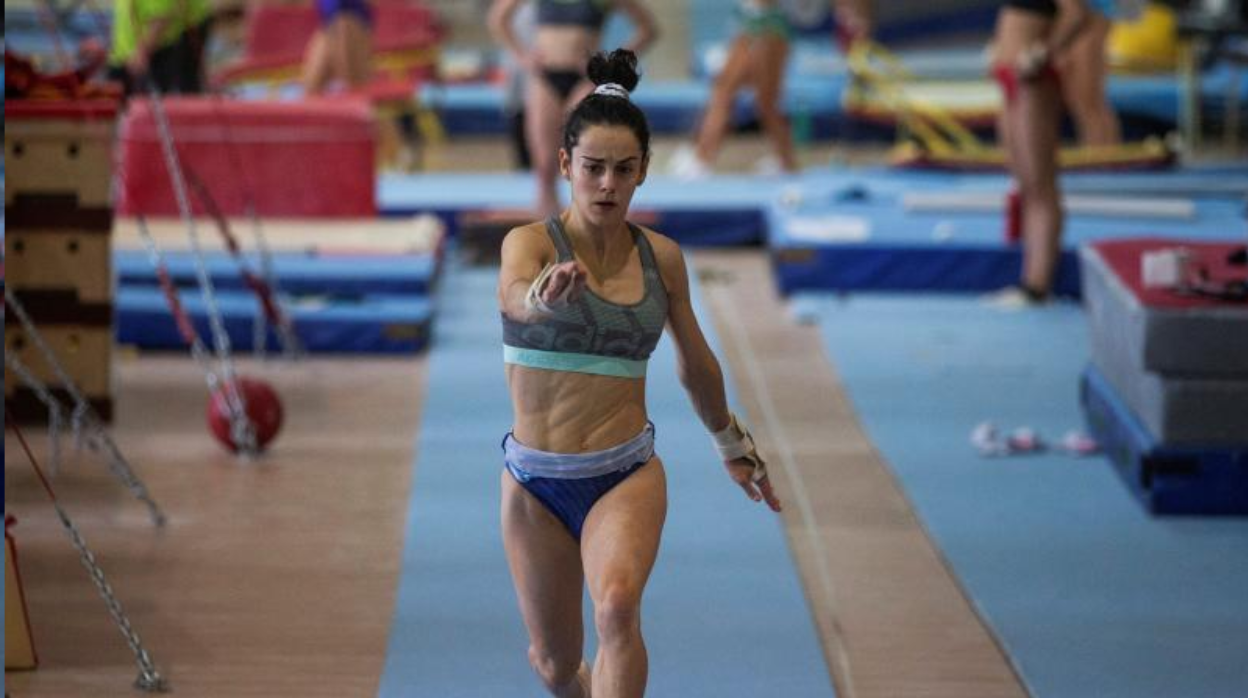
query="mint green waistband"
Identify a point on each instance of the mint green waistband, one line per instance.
(576, 363)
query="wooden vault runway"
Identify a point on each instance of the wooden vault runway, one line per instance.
(278, 578)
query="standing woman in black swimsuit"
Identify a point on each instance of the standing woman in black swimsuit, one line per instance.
(568, 32)
(1029, 34)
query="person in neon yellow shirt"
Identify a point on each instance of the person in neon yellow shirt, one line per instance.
(162, 40)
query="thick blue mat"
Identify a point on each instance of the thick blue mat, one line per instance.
(369, 324)
(1089, 595)
(841, 232)
(296, 273)
(719, 211)
(1168, 479)
(724, 612)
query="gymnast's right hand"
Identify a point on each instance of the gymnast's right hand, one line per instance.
(565, 284)
(557, 285)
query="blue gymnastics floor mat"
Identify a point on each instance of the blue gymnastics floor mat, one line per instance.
(724, 210)
(1089, 595)
(844, 232)
(296, 273)
(724, 613)
(370, 324)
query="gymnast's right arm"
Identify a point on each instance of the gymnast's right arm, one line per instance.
(530, 284)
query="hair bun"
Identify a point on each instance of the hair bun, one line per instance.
(620, 67)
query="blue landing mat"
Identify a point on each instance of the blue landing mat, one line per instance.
(724, 210)
(724, 611)
(1089, 595)
(371, 324)
(840, 233)
(1168, 479)
(734, 209)
(296, 273)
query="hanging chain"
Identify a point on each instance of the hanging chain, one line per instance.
(56, 414)
(292, 348)
(242, 432)
(149, 678)
(91, 424)
(187, 329)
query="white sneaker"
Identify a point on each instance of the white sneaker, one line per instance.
(1012, 298)
(769, 166)
(685, 164)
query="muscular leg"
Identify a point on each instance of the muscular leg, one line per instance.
(347, 38)
(357, 51)
(1035, 130)
(771, 53)
(545, 565)
(1083, 71)
(544, 114)
(619, 544)
(316, 64)
(718, 113)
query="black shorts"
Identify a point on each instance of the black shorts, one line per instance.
(1047, 8)
(175, 69)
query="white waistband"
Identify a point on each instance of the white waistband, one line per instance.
(528, 462)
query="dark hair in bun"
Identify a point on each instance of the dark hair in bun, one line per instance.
(619, 67)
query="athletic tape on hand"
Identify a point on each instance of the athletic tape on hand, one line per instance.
(533, 298)
(733, 442)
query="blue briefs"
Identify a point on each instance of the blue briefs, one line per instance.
(569, 484)
(327, 10)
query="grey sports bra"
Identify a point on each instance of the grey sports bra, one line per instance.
(592, 334)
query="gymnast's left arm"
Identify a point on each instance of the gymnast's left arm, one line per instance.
(700, 373)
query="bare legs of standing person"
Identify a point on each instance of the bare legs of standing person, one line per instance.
(545, 112)
(1029, 128)
(1084, 71)
(757, 60)
(340, 51)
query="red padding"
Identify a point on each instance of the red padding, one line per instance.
(280, 33)
(65, 110)
(1123, 258)
(309, 158)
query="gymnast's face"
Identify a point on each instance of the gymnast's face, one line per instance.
(605, 167)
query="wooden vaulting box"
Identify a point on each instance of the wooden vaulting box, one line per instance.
(58, 252)
(53, 146)
(60, 259)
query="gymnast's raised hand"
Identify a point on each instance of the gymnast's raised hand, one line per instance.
(556, 286)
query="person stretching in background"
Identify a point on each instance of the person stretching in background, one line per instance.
(341, 50)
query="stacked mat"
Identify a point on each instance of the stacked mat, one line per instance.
(363, 287)
(914, 231)
(1167, 391)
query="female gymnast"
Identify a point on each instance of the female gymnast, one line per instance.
(585, 296)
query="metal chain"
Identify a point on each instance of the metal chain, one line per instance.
(242, 432)
(84, 414)
(199, 352)
(55, 419)
(56, 414)
(292, 348)
(149, 678)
